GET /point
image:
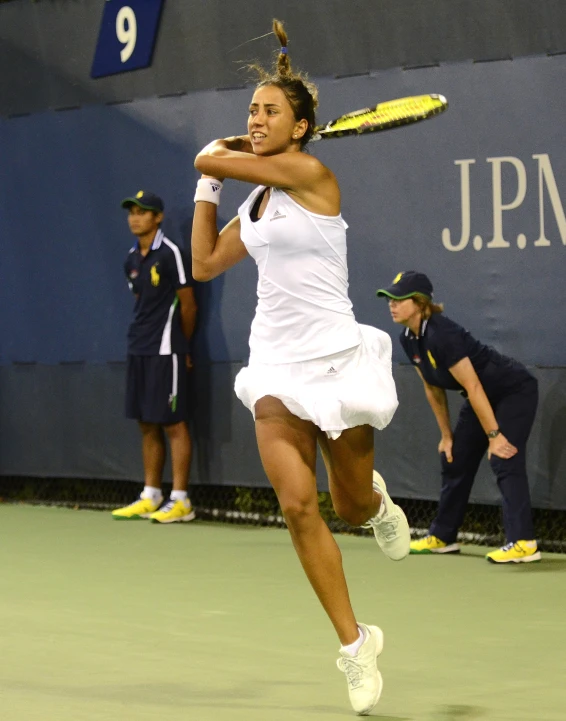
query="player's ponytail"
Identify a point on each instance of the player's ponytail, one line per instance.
(283, 62)
(301, 94)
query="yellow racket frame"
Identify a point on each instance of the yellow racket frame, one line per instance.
(386, 115)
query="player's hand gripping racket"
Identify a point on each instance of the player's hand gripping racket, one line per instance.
(391, 114)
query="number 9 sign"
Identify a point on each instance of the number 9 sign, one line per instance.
(126, 31)
(127, 36)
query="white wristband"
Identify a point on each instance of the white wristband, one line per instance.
(208, 189)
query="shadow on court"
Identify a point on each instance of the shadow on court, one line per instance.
(458, 713)
(548, 564)
(167, 694)
(181, 696)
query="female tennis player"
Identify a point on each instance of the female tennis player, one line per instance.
(314, 374)
(497, 417)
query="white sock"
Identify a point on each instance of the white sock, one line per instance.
(152, 494)
(353, 648)
(179, 496)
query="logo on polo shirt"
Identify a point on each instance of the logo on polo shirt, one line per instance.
(277, 215)
(431, 359)
(134, 274)
(155, 277)
(416, 359)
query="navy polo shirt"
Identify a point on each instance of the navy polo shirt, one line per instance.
(154, 280)
(442, 343)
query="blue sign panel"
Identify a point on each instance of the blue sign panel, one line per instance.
(127, 36)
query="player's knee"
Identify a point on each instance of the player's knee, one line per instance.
(297, 511)
(352, 514)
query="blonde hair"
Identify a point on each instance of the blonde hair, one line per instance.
(426, 306)
(301, 94)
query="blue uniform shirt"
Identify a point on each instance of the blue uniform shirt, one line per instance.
(442, 343)
(154, 280)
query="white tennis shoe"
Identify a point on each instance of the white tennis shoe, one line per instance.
(390, 525)
(364, 679)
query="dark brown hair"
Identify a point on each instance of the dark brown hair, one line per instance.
(301, 94)
(426, 306)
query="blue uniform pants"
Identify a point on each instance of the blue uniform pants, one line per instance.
(515, 414)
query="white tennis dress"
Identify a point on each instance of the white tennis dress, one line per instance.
(306, 347)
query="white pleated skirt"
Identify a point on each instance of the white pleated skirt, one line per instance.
(352, 388)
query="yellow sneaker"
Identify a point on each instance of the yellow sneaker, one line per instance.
(142, 508)
(173, 512)
(432, 544)
(518, 552)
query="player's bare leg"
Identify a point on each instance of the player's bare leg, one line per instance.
(287, 447)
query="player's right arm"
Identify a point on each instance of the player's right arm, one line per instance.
(234, 158)
(214, 252)
(303, 176)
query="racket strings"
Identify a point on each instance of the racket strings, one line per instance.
(401, 111)
(379, 116)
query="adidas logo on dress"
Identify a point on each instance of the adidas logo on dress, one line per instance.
(331, 371)
(277, 215)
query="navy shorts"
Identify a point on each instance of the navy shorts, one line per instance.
(156, 389)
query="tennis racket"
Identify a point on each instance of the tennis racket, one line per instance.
(391, 114)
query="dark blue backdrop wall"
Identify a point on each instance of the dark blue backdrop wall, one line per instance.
(47, 47)
(474, 198)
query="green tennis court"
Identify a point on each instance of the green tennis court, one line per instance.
(110, 621)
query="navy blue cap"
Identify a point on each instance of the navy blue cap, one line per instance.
(145, 200)
(406, 284)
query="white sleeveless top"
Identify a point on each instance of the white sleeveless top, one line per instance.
(303, 310)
